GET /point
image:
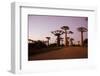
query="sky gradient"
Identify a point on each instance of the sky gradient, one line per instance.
(41, 26)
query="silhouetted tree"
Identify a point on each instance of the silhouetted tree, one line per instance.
(85, 42)
(82, 29)
(37, 45)
(58, 33)
(48, 38)
(78, 43)
(68, 38)
(71, 41)
(30, 41)
(65, 28)
(70, 32)
(53, 45)
(61, 39)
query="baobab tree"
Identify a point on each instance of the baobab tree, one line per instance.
(61, 39)
(68, 41)
(70, 32)
(58, 33)
(65, 28)
(30, 41)
(82, 30)
(71, 41)
(78, 42)
(48, 38)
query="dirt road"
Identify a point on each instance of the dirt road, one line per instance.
(64, 53)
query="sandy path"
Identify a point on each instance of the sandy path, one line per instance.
(64, 53)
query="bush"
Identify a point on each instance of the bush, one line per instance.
(37, 45)
(53, 45)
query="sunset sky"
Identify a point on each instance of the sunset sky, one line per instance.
(41, 26)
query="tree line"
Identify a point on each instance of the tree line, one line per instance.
(64, 30)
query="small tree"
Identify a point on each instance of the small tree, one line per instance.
(78, 43)
(71, 41)
(48, 38)
(61, 39)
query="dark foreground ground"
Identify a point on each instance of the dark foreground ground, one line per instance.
(62, 53)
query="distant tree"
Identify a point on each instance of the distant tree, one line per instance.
(85, 42)
(68, 40)
(58, 33)
(78, 43)
(61, 39)
(65, 28)
(48, 38)
(82, 30)
(71, 41)
(70, 32)
(37, 45)
(30, 41)
(40, 44)
(53, 45)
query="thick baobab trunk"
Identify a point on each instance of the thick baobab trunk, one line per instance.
(81, 38)
(58, 40)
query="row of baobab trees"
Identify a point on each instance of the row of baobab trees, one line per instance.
(65, 30)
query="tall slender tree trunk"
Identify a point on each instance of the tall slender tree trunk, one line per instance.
(58, 40)
(81, 38)
(71, 42)
(62, 42)
(65, 38)
(48, 42)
